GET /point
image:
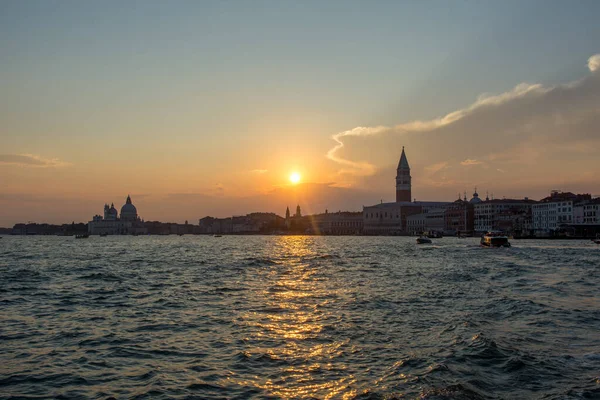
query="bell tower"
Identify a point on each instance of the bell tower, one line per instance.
(403, 185)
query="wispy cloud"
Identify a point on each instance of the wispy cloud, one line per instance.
(594, 62)
(355, 167)
(32, 160)
(483, 103)
(470, 161)
(259, 171)
(434, 168)
(530, 125)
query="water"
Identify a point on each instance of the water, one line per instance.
(298, 317)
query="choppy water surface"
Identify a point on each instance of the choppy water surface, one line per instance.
(298, 317)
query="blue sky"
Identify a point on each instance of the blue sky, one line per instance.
(387, 61)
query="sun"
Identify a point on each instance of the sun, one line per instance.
(295, 177)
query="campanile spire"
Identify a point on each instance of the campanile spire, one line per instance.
(403, 185)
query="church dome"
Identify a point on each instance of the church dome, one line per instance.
(128, 211)
(475, 198)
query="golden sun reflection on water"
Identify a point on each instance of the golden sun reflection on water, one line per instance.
(289, 330)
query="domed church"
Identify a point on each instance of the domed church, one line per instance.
(128, 224)
(128, 211)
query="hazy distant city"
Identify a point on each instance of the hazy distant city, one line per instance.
(559, 215)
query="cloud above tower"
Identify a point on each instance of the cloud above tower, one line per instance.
(547, 128)
(32, 160)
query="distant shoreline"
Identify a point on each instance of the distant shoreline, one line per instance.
(301, 234)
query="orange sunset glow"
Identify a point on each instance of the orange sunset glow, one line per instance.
(295, 177)
(191, 125)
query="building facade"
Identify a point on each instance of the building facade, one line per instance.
(487, 213)
(337, 223)
(110, 224)
(393, 218)
(388, 218)
(556, 211)
(459, 217)
(518, 222)
(432, 220)
(244, 224)
(587, 213)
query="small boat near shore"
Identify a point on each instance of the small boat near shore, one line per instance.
(84, 236)
(494, 239)
(216, 235)
(597, 240)
(423, 240)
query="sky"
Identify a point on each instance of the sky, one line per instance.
(199, 108)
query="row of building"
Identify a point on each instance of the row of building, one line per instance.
(560, 214)
(337, 223)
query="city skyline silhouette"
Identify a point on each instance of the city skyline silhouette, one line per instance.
(207, 109)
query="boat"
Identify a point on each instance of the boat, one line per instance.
(435, 235)
(216, 235)
(84, 236)
(423, 240)
(597, 240)
(103, 234)
(495, 239)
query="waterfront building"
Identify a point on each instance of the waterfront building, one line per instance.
(516, 221)
(587, 213)
(338, 223)
(244, 224)
(213, 225)
(33, 228)
(433, 220)
(255, 223)
(110, 224)
(586, 216)
(391, 218)
(294, 222)
(487, 213)
(556, 211)
(459, 216)
(388, 218)
(170, 228)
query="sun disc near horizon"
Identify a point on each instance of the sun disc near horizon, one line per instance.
(295, 177)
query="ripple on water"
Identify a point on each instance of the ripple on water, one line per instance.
(297, 317)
